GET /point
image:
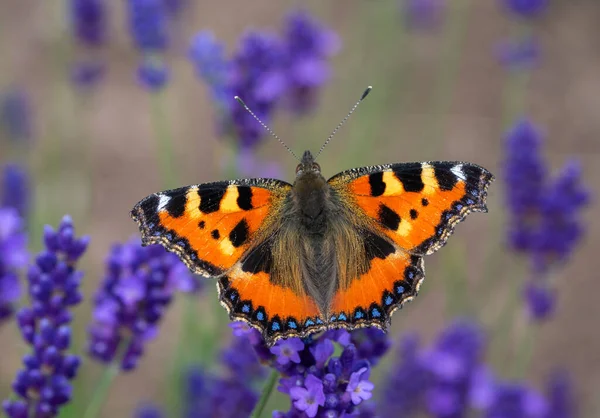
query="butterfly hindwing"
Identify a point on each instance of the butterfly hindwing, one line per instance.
(417, 205)
(210, 225)
(394, 278)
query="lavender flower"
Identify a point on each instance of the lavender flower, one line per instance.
(422, 14)
(308, 45)
(148, 24)
(88, 21)
(516, 400)
(137, 288)
(15, 115)
(257, 76)
(560, 396)
(546, 223)
(13, 257)
(14, 190)
(148, 411)
(43, 386)
(208, 57)
(526, 8)
(518, 54)
(540, 299)
(229, 394)
(318, 383)
(153, 74)
(439, 379)
(89, 27)
(310, 396)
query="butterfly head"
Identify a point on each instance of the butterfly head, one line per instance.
(307, 165)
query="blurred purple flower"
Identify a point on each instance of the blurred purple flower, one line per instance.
(228, 394)
(403, 391)
(148, 24)
(13, 258)
(518, 54)
(15, 189)
(540, 299)
(560, 396)
(152, 74)
(516, 400)
(86, 73)
(89, 21)
(545, 214)
(137, 288)
(148, 411)
(208, 57)
(15, 114)
(43, 386)
(256, 75)
(422, 14)
(526, 8)
(308, 45)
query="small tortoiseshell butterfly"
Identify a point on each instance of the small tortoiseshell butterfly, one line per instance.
(294, 259)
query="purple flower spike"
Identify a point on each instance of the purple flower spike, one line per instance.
(287, 350)
(309, 398)
(309, 45)
(15, 115)
(208, 57)
(88, 21)
(138, 286)
(44, 384)
(13, 258)
(15, 188)
(526, 8)
(153, 74)
(541, 300)
(518, 54)
(422, 14)
(148, 24)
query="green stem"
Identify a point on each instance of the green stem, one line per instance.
(95, 404)
(266, 394)
(524, 350)
(164, 141)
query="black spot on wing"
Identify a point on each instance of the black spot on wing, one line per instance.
(377, 246)
(211, 196)
(244, 199)
(201, 224)
(175, 207)
(424, 202)
(410, 176)
(388, 217)
(258, 259)
(377, 184)
(239, 234)
(215, 234)
(414, 214)
(446, 179)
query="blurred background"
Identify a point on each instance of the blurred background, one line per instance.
(98, 116)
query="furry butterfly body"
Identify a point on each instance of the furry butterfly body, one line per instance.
(292, 260)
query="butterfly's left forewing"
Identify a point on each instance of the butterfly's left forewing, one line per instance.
(224, 230)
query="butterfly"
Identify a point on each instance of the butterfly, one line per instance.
(295, 259)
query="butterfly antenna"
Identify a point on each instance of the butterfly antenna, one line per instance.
(365, 94)
(240, 101)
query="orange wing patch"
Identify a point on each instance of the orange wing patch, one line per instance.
(209, 225)
(275, 310)
(417, 205)
(372, 298)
